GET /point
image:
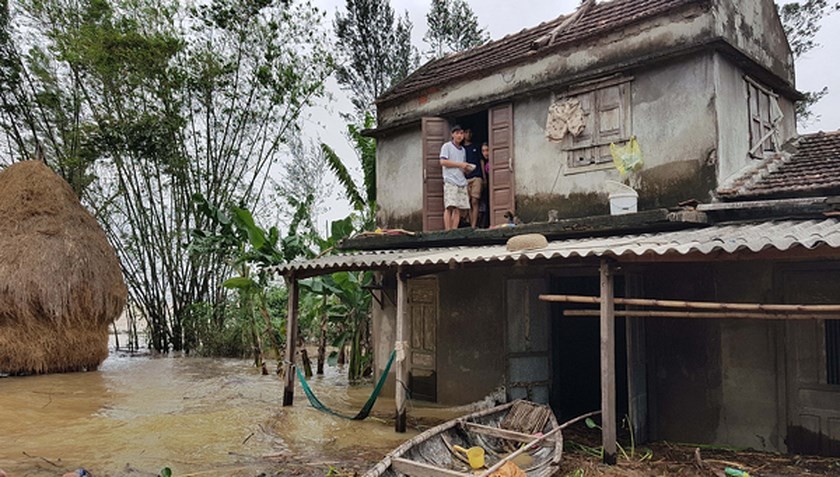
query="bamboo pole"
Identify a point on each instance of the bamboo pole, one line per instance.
(608, 411)
(702, 305)
(701, 314)
(402, 352)
(291, 340)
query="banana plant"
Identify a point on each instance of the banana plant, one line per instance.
(251, 249)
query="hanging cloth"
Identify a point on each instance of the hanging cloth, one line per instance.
(317, 404)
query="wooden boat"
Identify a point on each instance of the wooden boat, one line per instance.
(501, 431)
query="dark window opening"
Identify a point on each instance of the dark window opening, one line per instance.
(832, 351)
(478, 124)
(576, 352)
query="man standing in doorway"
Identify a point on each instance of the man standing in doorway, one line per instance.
(453, 160)
(474, 177)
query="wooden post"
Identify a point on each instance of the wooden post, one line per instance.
(291, 340)
(608, 421)
(401, 345)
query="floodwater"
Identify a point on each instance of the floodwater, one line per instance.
(197, 416)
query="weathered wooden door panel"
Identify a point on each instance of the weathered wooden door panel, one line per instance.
(501, 163)
(528, 366)
(435, 133)
(423, 316)
(813, 404)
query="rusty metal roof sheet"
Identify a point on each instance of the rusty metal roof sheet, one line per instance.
(814, 169)
(753, 237)
(603, 18)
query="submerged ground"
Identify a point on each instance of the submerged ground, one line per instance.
(208, 417)
(197, 416)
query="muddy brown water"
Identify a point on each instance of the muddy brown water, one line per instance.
(198, 416)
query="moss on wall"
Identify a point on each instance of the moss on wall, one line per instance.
(413, 221)
(662, 186)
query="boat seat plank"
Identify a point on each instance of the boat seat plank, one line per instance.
(419, 469)
(500, 433)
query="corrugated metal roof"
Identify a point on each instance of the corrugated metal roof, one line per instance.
(754, 237)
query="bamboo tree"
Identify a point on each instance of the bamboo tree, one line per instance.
(140, 104)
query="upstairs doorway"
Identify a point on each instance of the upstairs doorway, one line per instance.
(494, 126)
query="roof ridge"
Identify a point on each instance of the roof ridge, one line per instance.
(820, 134)
(515, 48)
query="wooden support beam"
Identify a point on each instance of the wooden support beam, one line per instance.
(291, 340)
(704, 315)
(608, 411)
(700, 305)
(401, 345)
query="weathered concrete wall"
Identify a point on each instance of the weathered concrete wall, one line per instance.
(754, 28)
(732, 106)
(651, 39)
(684, 367)
(470, 352)
(673, 118)
(470, 334)
(384, 332)
(399, 180)
(750, 378)
(715, 381)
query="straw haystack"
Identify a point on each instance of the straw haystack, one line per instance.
(60, 280)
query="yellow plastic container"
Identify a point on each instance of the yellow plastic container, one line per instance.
(474, 454)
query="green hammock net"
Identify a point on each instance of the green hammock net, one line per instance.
(317, 404)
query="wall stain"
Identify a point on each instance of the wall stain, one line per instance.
(413, 221)
(804, 441)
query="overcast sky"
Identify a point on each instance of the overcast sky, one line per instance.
(816, 69)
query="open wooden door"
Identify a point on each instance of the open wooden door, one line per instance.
(435, 133)
(501, 163)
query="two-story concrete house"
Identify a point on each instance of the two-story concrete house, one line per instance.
(733, 208)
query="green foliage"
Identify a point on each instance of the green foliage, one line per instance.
(344, 178)
(801, 22)
(374, 50)
(453, 27)
(140, 104)
(366, 149)
(348, 310)
(235, 235)
(166, 472)
(642, 455)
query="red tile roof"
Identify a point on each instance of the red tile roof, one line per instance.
(602, 18)
(812, 170)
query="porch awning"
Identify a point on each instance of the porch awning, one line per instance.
(731, 238)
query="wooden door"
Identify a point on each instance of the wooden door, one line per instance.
(813, 358)
(435, 133)
(528, 366)
(423, 317)
(501, 163)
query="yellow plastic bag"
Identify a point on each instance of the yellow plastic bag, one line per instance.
(628, 157)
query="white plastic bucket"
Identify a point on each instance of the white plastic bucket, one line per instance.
(624, 203)
(623, 199)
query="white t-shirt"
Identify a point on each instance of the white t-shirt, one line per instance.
(453, 175)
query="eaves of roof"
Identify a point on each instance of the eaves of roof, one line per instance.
(725, 238)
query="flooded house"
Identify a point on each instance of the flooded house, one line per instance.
(709, 315)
